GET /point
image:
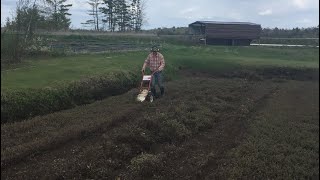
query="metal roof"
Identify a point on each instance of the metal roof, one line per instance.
(221, 22)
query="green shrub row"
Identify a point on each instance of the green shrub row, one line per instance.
(27, 103)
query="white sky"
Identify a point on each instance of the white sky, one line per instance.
(178, 13)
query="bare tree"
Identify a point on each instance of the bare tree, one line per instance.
(94, 12)
(21, 30)
(138, 14)
(141, 16)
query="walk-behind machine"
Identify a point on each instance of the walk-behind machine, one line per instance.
(145, 88)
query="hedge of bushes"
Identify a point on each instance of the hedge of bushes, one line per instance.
(27, 103)
(23, 104)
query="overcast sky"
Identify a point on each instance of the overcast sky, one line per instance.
(180, 13)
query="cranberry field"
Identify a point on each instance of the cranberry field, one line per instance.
(228, 113)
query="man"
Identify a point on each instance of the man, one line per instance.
(155, 61)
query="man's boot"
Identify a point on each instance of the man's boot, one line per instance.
(162, 91)
(154, 92)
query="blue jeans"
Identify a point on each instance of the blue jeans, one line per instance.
(157, 79)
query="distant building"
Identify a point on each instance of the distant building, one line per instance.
(225, 33)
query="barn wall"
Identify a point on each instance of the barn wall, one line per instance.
(228, 42)
(233, 31)
(230, 34)
(197, 30)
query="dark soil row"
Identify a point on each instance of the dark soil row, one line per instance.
(118, 137)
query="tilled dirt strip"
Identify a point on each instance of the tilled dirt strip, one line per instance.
(204, 155)
(30, 137)
(182, 135)
(283, 137)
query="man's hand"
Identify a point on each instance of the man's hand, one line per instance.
(142, 70)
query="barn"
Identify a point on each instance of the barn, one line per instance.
(225, 33)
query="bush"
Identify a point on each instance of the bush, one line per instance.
(172, 130)
(146, 165)
(12, 48)
(23, 104)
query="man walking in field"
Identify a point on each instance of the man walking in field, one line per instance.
(155, 61)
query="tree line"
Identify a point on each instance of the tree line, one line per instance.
(116, 15)
(19, 38)
(53, 15)
(310, 32)
(31, 15)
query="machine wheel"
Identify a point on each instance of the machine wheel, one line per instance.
(151, 98)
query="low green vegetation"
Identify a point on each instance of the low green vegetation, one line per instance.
(282, 141)
(254, 124)
(51, 71)
(228, 129)
(30, 84)
(127, 132)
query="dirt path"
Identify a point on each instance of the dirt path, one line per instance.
(185, 135)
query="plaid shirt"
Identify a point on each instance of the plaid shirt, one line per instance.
(155, 62)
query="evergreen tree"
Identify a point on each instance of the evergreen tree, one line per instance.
(139, 15)
(59, 13)
(123, 15)
(109, 12)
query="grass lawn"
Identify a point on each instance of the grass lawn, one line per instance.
(50, 71)
(47, 72)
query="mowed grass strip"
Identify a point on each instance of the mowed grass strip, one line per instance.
(51, 71)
